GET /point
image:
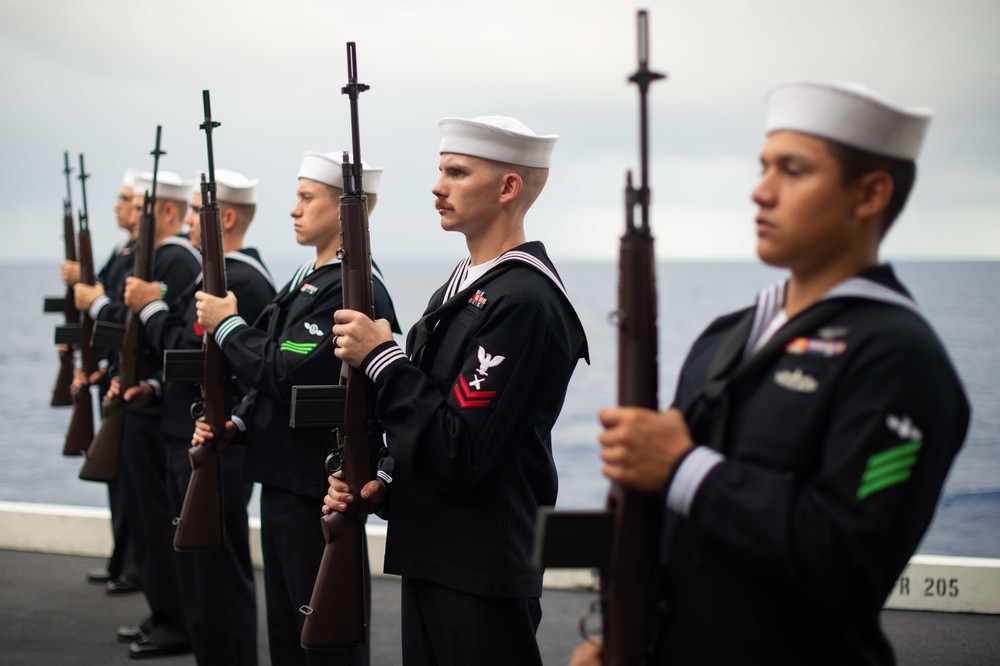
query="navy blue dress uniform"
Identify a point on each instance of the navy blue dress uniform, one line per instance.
(121, 568)
(469, 407)
(289, 345)
(217, 586)
(830, 446)
(822, 442)
(468, 412)
(176, 264)
(111, 306)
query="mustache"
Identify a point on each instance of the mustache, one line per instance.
(440, 204)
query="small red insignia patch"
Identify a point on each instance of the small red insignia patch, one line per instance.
(469, 399)
(198, 329)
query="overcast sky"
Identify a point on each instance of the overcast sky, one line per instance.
(98, 76)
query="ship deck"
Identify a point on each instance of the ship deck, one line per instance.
(49, 614)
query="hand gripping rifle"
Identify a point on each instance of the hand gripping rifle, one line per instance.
(629, 564)
(200, 525)
(335, 616)
(81, 422)
(61, 395)
(104, 452)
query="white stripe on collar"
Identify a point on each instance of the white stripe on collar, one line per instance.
(457, 278)
(511, 255)
(309, 268)
(236, 255)
(857, 287)
(770, 302)
(184, 243)
(300, 274)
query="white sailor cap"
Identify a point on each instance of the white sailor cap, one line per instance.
(128, 180)
(850, 114)
(168, 186)
(497, 138)
(232, 187)
(327, 168)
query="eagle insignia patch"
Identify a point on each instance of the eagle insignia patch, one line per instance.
(469, 392)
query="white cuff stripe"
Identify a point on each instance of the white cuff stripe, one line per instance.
(227, 327)
(238, 422)
(687, 480)
(385, 477)
(96, 306)
(151, 309)
(384, 360)
(155, 385)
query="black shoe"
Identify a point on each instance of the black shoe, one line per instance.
(122, 585)
(144, 648)
(98, 576)
(129, 633)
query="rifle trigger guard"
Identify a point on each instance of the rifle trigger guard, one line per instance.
(334, 462)
(197, 409)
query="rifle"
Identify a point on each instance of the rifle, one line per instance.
(101, 463)
(200, 525)
(81, 422)
(61, 394)
(629, 594)
(335, 616)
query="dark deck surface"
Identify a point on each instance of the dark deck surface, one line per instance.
(49, 614)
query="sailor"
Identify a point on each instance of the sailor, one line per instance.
(469, 407)
(811, 433)
(217, 586)
(290, 345)
(119, 575)
(176, 264)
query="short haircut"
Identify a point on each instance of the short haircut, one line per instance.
(533, 181)
(855, 163)
(244, 213)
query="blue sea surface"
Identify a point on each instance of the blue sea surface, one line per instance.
(959, 298)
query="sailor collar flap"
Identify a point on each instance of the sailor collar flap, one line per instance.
(731, 364)
(183, 242)
(530, 254)
(249, 260)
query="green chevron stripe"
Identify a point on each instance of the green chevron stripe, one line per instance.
(881, 483)
(895, 452)
(297, 347)
(890, 467)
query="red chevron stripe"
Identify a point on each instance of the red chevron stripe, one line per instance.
(469, 404)
(469, 399)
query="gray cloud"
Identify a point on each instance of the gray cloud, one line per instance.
(99, 76)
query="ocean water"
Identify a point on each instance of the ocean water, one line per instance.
(959, 298)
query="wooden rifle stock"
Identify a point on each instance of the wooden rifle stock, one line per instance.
(630, 584)
(632, 523)
(81, 423)
(104, 453)
(62, 396)
(201, 525)
(335, 616)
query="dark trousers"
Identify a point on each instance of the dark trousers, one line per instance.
(292, 543)
(217, 586)
(121, 564)
(151, 521)
(445, 627)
